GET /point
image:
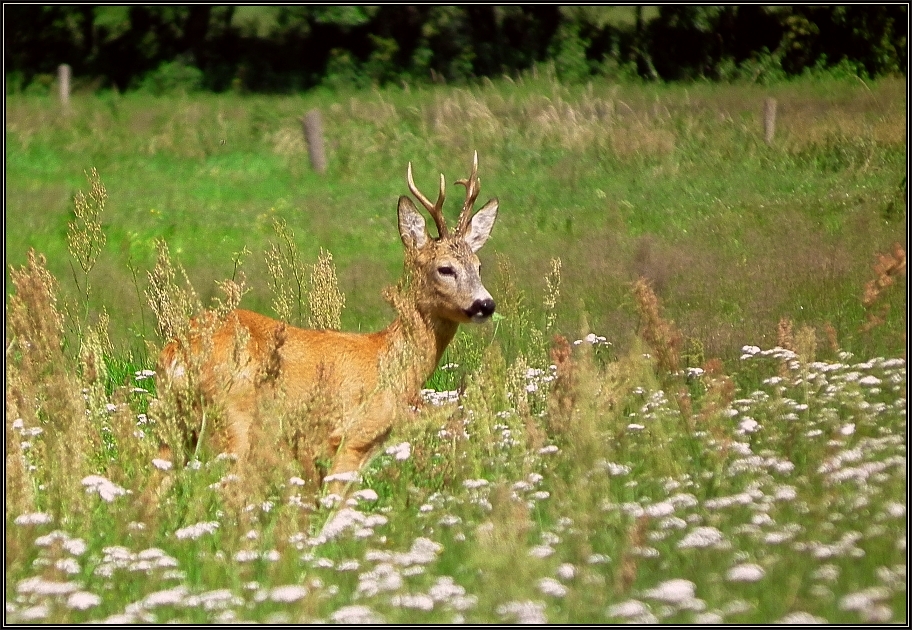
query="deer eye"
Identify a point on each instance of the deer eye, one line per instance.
(446, 271)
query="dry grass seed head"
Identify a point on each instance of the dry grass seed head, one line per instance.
(806, 344)
(325, 299)
(785, 339)
(563, 393)
(84, 235)
(288, 275)
(504, 539)
(271, 366)
(46, 392)
(33, 321)
(630, 561)
(585, 400)
(303, 427)
(832, 338)
(660, 334)
(720, 392)
(19, 495)
(234, 291)
(132, 468)
(516, 385)
(288, 142)
(93, 369)
(172, 305)
(552, 293)
(886, 269)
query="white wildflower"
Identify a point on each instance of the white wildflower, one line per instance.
(67, 565)
(162, 464)
(400, 451)
(702, 537)
(383, 578)
(346, 518)
(566, 571)
(896, 510)
(356, 616)
(106, 489)
(169, 597)
(423, 551)
(673, 591)
(748, 425)
(40, 586)
(33, 518)
(34, 613)
(630, 608)
(82, 600)
(195, 531)
(550, 586)
(418, 602)
(541, 551)
(745, 573)
(351, 476)
(375, 520)
(448, 520)
(615, 470)
(656, 510)
(525, 612)
(287, 594)
(445, 588)
(801, 617)
(330, 500)
(366, 494)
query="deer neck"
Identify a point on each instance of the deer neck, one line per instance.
(416, 342)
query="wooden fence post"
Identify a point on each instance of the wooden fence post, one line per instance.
(63, 82)
(769, 120)
(313, 134)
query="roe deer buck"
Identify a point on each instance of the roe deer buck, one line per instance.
(372, 378)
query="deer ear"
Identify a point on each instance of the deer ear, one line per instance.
(480, 226)
(411, 224)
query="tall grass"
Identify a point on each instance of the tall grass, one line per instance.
(668, 182)
(614, 488)
(688, 410)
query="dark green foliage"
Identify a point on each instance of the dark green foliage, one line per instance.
(280, 49)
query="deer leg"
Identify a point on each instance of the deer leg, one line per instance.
(349, 459)
(364, 436)
(240, 419)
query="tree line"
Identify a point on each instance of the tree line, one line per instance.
(282, 49)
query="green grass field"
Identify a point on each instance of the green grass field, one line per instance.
(724, 443)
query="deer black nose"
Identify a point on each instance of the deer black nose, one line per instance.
(481, 309)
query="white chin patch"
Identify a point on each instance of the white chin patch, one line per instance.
(480, 319)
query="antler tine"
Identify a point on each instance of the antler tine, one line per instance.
(435, 210)
(473, 186)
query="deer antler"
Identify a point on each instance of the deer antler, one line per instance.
(473, 186)
(435, 210)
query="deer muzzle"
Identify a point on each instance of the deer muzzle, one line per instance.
(480, 310)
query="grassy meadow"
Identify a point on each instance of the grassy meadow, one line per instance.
(691, 406)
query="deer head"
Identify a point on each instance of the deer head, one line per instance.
(445, 268)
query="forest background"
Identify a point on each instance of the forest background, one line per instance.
(286, 49)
